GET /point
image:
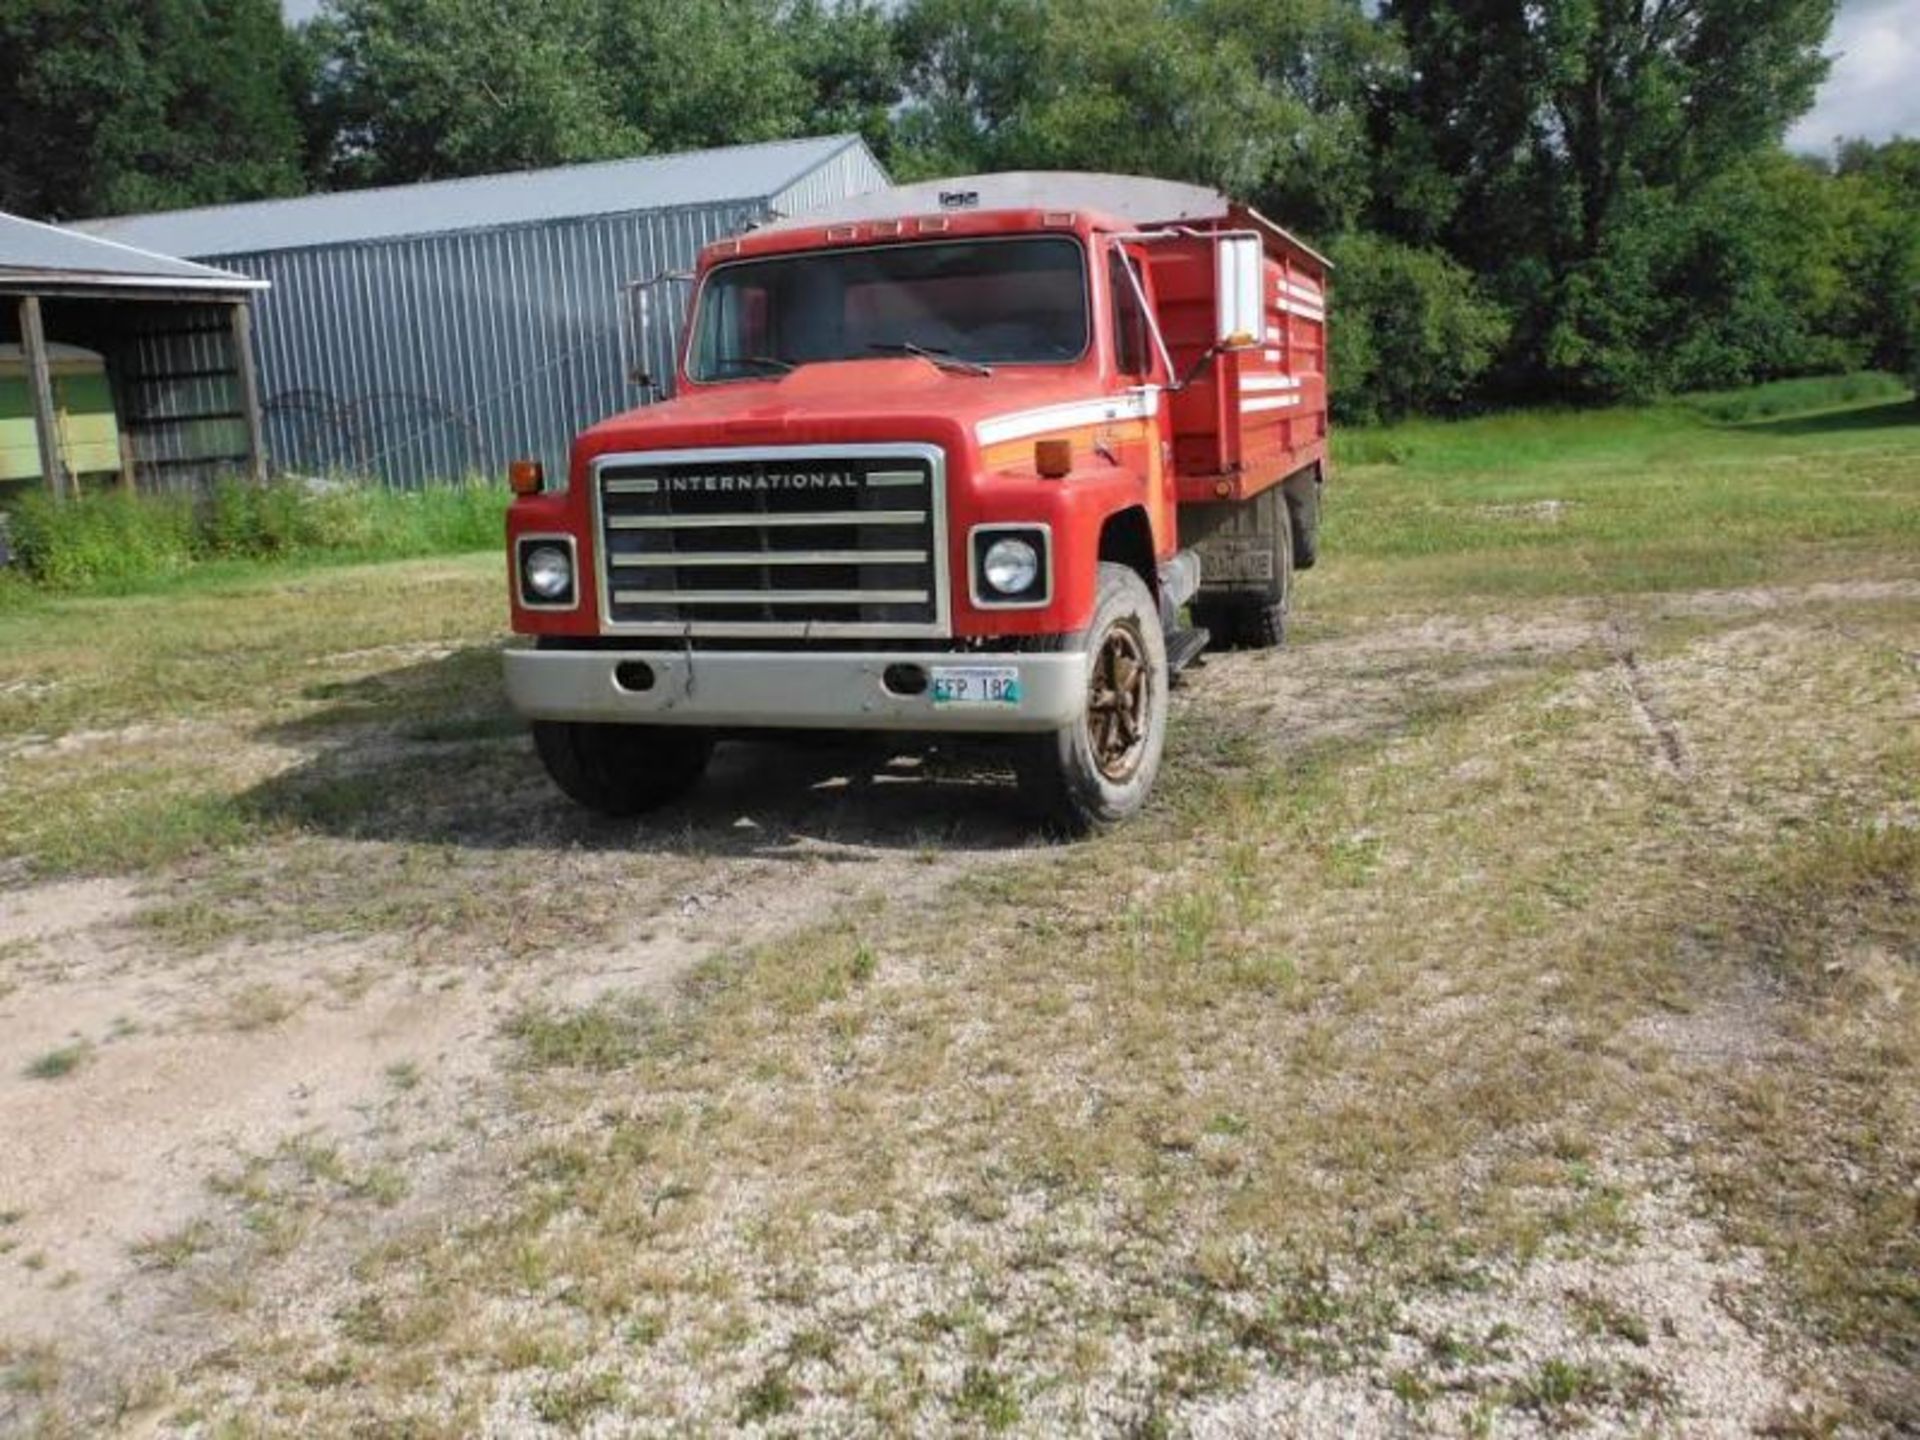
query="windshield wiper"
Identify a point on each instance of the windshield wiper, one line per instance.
(759, 364)
(945, 359)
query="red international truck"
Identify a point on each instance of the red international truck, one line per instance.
(994, 456)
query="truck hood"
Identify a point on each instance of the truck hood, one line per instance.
(847, 400)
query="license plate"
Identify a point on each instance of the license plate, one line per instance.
(976, 685)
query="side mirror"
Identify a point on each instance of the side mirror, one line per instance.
(1240, 320)
(653, 333)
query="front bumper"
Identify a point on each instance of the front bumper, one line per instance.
(740, 689)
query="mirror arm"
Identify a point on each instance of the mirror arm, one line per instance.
(1200, 362)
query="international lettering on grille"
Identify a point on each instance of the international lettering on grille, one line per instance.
(799, 480)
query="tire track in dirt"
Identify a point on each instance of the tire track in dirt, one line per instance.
(1666, 743)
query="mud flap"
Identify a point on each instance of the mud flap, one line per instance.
(1239, 545)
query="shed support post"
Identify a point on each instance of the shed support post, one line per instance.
(46, 424)
(241, 315)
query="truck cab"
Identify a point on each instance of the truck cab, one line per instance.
(996, 455)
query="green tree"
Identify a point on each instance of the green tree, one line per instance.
(845, 50)
(1266, 101)
(973, 68)
(425, 89)
(1132, 86)
(1318, 63)
(418, 89)
(1556, 150)
(693, 73)
(113, 105)
(1881, 185)
(1761, 282)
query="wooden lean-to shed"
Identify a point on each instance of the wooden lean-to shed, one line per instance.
(121, 366)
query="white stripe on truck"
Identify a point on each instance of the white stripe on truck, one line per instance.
(1019, 424)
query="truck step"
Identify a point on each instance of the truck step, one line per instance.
(1184, 647)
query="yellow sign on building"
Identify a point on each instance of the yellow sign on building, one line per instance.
(83, 406)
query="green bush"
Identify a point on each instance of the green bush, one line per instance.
(1411, 331)
(442, 519)
(240, 520)
(102, 538)
(342, 520)
(111, 538)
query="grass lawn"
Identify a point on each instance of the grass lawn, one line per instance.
(1504, 1021)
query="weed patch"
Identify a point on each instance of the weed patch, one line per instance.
(113, 540)
(172, 1250)
(61, 1062)
(606, 1035)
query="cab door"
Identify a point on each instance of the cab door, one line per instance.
(1139, 365)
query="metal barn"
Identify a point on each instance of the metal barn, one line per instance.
(119, 366)
(433, 331)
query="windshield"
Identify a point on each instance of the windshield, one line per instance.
(989, 302)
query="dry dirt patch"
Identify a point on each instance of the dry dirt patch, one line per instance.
(251, 1097)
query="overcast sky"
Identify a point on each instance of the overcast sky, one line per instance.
(1874, 89)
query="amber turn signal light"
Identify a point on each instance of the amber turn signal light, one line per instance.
(526, 477)
(1053, 458)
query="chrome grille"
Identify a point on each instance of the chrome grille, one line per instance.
(817, 540)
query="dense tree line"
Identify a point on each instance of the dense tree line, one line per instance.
(1575, 200)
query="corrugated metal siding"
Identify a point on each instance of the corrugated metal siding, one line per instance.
(440, 356)
(178, 393)
(853, 171)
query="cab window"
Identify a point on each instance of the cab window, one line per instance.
(987, 301)
(1132, 342)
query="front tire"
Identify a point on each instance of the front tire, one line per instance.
(1098, 770)
(622, 770)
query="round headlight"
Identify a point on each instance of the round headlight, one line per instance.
(548, 571)
(1010, 566)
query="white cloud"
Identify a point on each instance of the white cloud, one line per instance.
(1873, 89)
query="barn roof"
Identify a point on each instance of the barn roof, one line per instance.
(736, 173)
(37, 256)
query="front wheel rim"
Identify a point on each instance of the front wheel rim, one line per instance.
(1120, 698)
